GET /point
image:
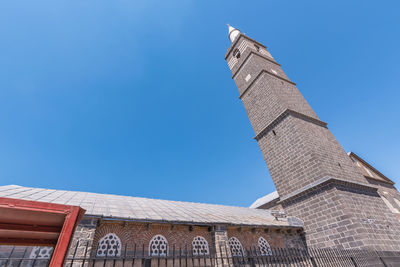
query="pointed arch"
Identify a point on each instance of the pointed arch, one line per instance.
(236, 247)
(158, 246)
(200, 246)
(265, 248)
(109, 245)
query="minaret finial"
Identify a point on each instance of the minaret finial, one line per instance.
(233, 33)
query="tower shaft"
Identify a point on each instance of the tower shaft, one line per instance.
(315, 178)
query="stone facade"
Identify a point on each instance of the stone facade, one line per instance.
(179, 237)
(276, 238)
(141, 231)
(389, 195)
(342, 216)
(315, 178)
(386, 189)
(138, 236)
(220, 243)
(290, 135)
(82, 240)
(121, 240)
(299, 152)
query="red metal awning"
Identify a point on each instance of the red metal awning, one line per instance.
(34, 223)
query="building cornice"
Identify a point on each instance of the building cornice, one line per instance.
(288, 222)
(252, 52)
(323, 182)
(259, 75)
(285, 113)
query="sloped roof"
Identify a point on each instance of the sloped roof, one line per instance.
(149, 210)
(368, 170)
(264, 200)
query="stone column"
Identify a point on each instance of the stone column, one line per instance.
(221, 246)
(82, 242)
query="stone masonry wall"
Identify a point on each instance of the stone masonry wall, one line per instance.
(130, 233)
(343, 217)
(220, 241)
(277, 238)
(389, 194)
(268, 96)
(179, 237)
(372, 216)
(297, 151)
(300, 152)
(82, 240)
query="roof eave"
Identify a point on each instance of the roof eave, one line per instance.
(284, 224)
(352, 154)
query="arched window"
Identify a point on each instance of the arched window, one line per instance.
(109, 245)
(200, 246)
(158, 246)
(41, 253)
(264, 246)
(236, 247)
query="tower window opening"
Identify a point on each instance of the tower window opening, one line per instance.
(273, 131)
(236, 53)
(257, 48)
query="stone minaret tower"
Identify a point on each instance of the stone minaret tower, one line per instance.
(316, 180)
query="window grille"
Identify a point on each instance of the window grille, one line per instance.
(200, 246)
(236, 247)
(41, 253)
(158, 246)
(109, 245)
(264, 246)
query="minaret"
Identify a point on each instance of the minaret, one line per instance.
(315, 178)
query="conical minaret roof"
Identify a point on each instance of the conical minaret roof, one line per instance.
(233, 33)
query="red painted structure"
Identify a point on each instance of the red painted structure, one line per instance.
(32, 223)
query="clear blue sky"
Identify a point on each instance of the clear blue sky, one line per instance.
(135, 98)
